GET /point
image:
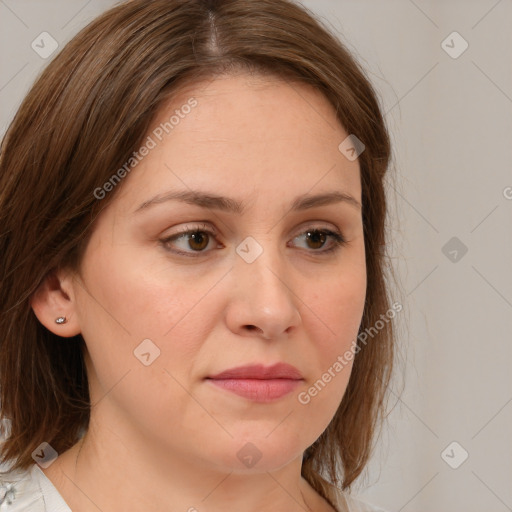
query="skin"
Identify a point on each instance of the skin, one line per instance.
(161, 434)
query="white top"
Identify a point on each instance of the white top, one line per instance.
(29, 490)
(32, 491)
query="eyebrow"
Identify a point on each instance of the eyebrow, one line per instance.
(226, 204)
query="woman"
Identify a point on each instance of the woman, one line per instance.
(193, 214)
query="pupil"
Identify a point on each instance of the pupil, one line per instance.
(316, 235)
(198, 236)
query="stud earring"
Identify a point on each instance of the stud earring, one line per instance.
(60, 320)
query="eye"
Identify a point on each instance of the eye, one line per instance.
(198, 239)
(317, 238)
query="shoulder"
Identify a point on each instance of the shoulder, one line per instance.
(29, 490)
(348, 503)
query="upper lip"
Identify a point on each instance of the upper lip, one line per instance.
(259, 371)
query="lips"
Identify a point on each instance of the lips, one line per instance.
(259, 371)
(259, 383)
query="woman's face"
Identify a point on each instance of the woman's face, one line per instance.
(250, 287)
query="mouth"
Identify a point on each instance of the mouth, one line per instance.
(258, 390)
(259, 383)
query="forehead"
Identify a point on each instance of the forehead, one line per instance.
(255, 109)
(245, 134)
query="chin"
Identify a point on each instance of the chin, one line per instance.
(255, 454)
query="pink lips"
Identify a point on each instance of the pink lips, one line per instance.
(259, 383)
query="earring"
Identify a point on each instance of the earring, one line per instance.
(60, 320)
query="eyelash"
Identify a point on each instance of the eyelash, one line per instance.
(338, 240)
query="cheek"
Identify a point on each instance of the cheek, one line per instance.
(334, 317)
(125, 305)
(129, 294)
(135, 300)
(339, 310)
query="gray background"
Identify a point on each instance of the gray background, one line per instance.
(451, 123)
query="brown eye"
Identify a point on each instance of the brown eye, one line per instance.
(191, 241)
(316, 239)
(198, 240)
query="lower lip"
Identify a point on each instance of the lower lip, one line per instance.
(258, 390)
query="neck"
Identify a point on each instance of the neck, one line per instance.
(107, 471)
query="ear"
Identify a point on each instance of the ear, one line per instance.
(54, 298)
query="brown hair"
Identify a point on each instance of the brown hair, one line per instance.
(83, 118)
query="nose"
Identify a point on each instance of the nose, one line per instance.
(263, 299)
